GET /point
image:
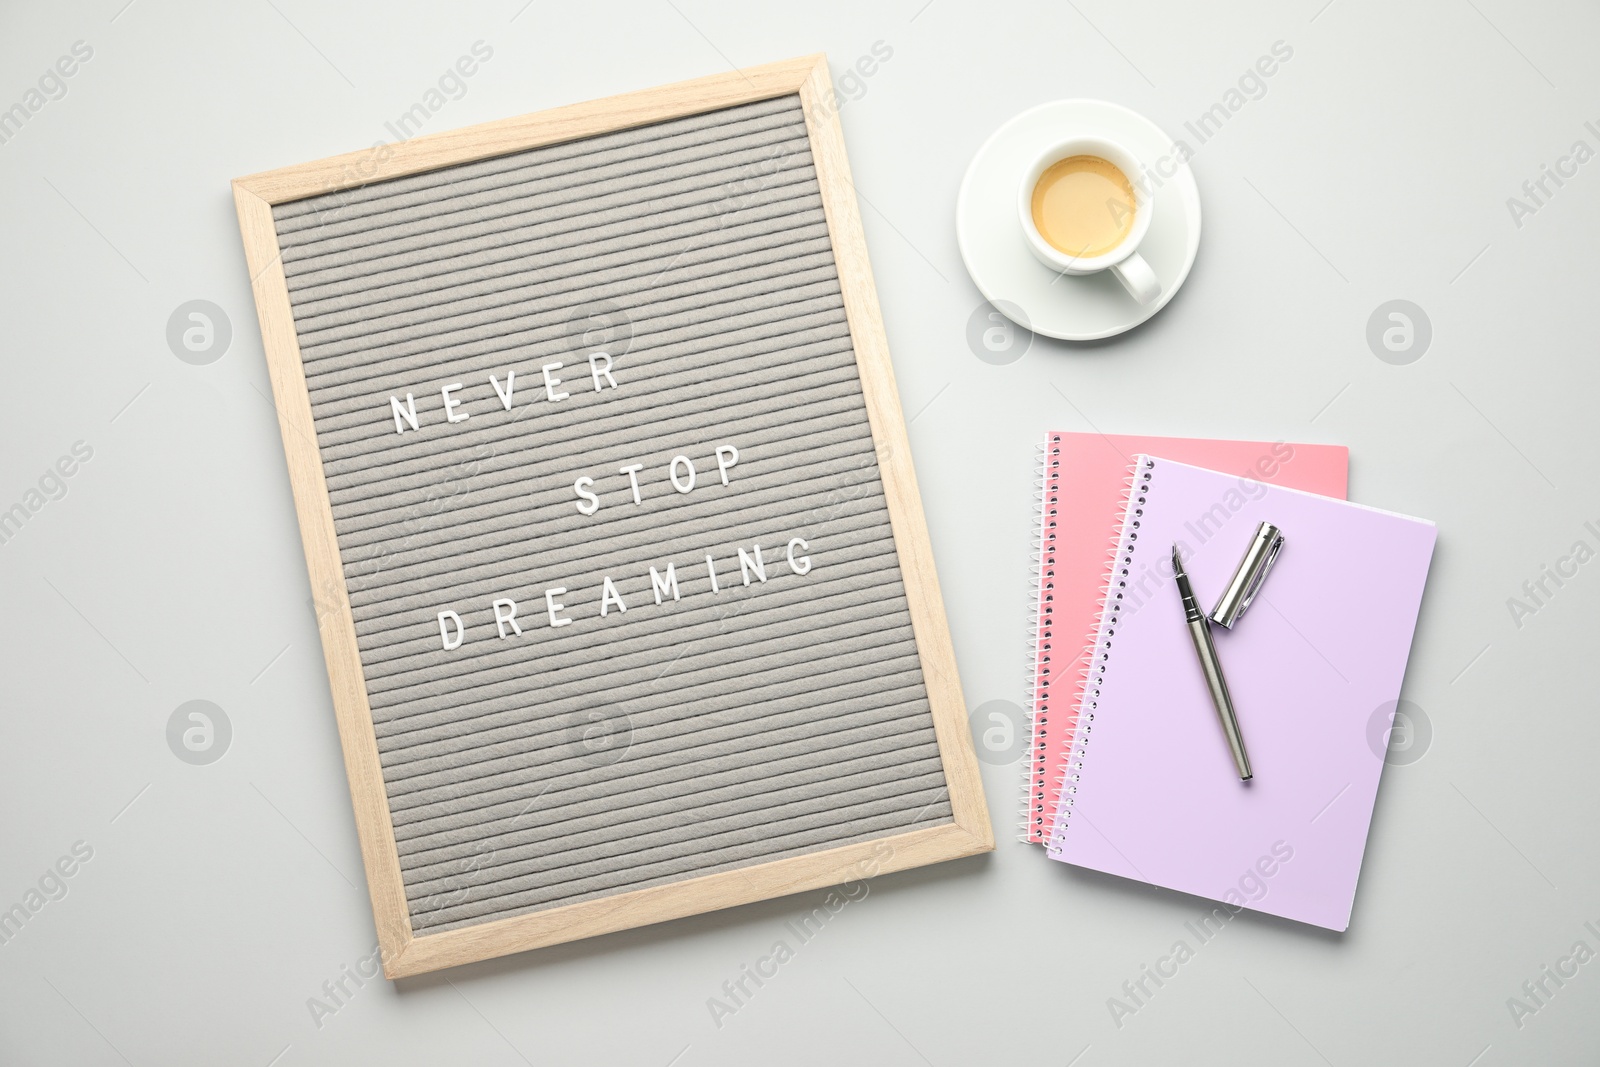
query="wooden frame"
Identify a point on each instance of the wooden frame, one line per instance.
(403, 952)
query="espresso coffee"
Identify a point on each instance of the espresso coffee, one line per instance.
(1083, 206)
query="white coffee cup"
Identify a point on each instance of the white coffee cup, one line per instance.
(1123, 261)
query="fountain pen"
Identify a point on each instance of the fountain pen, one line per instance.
(1211, 667)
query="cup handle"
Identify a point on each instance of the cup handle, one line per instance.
(1137, 277)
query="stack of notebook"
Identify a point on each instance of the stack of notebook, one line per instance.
(1129, 772)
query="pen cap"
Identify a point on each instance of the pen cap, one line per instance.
(1252, 571)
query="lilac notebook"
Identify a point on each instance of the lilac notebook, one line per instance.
(1315, 668)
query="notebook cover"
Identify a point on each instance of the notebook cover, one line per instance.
(1152, 793)
(1084, 478)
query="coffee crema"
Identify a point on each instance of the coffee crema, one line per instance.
(1083, 206)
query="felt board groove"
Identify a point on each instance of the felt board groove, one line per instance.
(415, 249)
(890, 686)
(505, 757)
(889, 658)
(695, 265)
(665, 837)
(466, 344)
(557, 838)
(741, 244)
(694, 735)
(559, 160)
(744, 339)
(641, 661)
(733, 743)
(855, 640)
(676, 852)
(436, 869)
(570, 246)
(498, 322)
(879, 645)
(674, 730)
(837, 679)
(405, 249)
(745, 310)
(687, 285)
(801, 834)
(734, 727)
(727, 738)
(750, 237)
(574, 241)
(572, 806)
(839, 687)
(534, 763)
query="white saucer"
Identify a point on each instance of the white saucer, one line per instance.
(1025, 290)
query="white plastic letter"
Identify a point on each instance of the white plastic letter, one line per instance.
(727, 456)
(445, 618)
(672, 472)
(409, 413)
(581, 487)
(451, 405)
(597, 372)
(504, 394)
(510, 616)
(551, 382)
(746, 565)
(609, 595)
(552, 605)
(662, 586)
(632, 471)
(804, 565)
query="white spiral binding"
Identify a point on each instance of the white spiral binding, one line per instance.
(1032, 779)
(1121, 563)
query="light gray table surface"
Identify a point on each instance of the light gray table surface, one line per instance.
(221, 902)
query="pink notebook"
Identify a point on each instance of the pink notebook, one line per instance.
(1084, 480)
(1315, 667)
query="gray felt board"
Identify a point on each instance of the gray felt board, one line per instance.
(661, 742)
